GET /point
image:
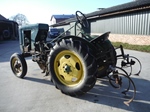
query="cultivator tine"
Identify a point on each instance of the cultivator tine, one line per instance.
(140, 65)
(116, 81)
(132, 62)
(129, 101)
(129, 61)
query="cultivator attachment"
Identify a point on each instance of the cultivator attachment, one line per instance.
(130, 62)
(119, 76)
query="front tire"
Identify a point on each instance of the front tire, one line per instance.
(72, 67)
(18, 65)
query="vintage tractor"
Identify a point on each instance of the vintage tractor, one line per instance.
(74, 62)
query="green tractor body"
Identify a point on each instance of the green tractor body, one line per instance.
(30, 34)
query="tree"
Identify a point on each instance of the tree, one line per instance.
(20, 19)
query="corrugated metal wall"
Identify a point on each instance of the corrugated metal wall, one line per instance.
(137, 23)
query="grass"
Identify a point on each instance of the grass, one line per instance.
(143, 48)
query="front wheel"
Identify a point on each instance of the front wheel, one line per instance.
(18, 65)
(72, 67)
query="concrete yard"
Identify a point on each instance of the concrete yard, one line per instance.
(35, 93)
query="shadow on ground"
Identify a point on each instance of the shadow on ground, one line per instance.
(38, 80)
(107, 95)
(103, 93)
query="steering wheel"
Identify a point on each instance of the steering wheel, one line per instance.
(82, 19)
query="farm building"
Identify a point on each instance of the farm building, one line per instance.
(8, 29)
(128, 23)
(59, 18)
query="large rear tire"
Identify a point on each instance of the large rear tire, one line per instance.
(72, 67)
(18, 65)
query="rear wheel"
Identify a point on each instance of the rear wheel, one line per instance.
(72, 67)
(18, 65)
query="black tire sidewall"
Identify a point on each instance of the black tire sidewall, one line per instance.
(80, 86)
(23, 63)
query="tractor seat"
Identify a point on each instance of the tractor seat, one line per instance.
(100, 38)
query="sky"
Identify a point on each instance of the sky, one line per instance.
(40, 11)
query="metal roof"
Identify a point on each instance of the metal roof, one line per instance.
(123, 8)
(63, 16)
(3, 18)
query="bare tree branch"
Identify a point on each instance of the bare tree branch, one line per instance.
(20, 19)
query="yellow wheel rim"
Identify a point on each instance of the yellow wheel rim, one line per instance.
(68, 68)
(16, 66)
